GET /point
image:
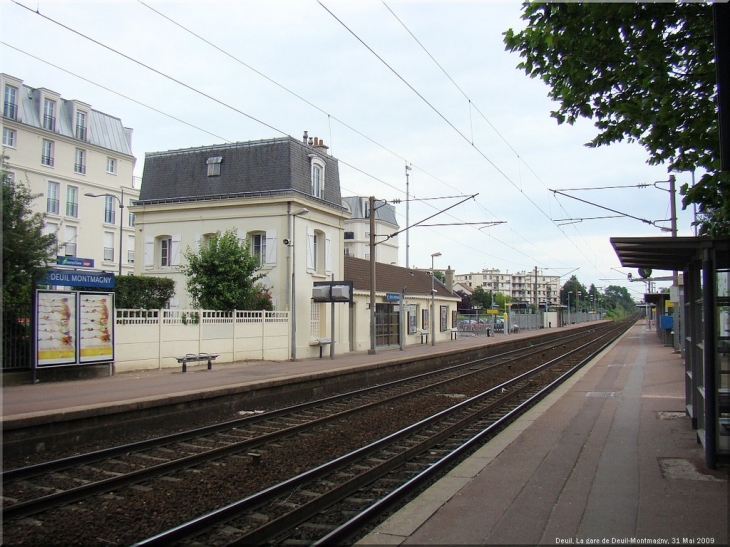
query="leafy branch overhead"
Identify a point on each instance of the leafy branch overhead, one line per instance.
(643, 72)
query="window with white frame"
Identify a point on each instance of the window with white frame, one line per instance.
(109, 203)
(49, 114)
(111, 165)
(70, 242)
(317, 178)
(108, 247)
(72, 202)
(214, 166)
(52, 201)
(131, 215)
(130, 249)
(319, 246)
(10, 106)
(47, 153)
(80, 163)
(51, 228)
(258, 247)
(165, 251)
(8, 137)
(81, 125)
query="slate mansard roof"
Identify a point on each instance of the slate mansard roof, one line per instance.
(265, 167)
(103, 130)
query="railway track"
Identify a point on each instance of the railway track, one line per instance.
(40, 490)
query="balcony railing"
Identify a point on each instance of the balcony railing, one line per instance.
(109, 216)
(47, 160)
(10, 110)
(72, 209)
(49, 122)
(81, 132)
(80, 168)
(52, 206)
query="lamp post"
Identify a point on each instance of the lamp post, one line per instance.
(433, 309)
(121, 219)
(569, 293)
(296, 214)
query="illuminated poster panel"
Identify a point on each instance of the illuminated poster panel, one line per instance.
(96, 330)
(56, 331)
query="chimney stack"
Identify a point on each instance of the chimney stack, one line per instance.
(304, 138)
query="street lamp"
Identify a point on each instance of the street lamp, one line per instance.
(300, 212)
(569, 293)
(433, 315)
(121, 219)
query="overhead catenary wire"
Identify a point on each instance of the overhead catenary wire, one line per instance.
(245, 114)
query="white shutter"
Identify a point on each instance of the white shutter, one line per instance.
(198, 242)
(149, 252)
(270, 247)
(327, 254)
(175, 250)
(310, 249)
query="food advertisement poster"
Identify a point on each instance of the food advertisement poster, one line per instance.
(56, 328)
(74, 327)
(96, 330)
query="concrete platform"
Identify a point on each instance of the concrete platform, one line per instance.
(610, 458)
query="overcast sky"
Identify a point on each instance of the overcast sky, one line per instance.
(384, 84)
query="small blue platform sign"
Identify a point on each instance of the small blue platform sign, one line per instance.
(392, 296)
(71, 278)
(75, 261)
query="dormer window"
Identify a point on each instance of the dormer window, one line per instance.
(10, 106)
(49, 114)
(81, 125)
(214, 166)
(317, 177)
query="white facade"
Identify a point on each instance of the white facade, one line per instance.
(357, 230)
(63, 149)
(519, 286)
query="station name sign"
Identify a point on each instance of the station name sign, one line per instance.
(71, 278)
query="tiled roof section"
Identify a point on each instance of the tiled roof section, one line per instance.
(383, 211)
(103, 130)
(390, 278)
(245, 167)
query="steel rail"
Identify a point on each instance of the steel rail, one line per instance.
(232, 511)
(44, 503)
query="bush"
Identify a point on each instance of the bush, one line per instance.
(143, 292)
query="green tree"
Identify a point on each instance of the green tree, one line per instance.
(222, 275)
(27, 251)
(575, 288)
(482, 298)
(644, 72)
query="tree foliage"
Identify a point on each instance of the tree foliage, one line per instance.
(143, 292)
(27, 252)
(222, 275)
(643, 72)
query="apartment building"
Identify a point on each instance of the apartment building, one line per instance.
(357, 230)
(520, 286)
(80, 161)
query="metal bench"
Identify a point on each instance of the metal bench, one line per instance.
(196, 358)
(322, 342)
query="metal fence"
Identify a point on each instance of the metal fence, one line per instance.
(16, 343)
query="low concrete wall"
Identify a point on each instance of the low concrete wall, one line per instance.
(152, 339)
